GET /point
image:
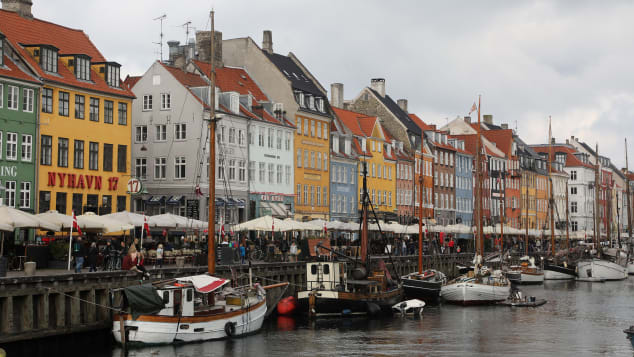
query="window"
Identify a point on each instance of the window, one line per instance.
(93, 156)
(160, 168)
(166, 101)
(48, 59)
(318, 166)
(82, 68)
(312, 159)
(27, 100)
(46, 148)
(312, 195)
(271, 173)
(241, 137)
(287, 175)
(574, 226)
(180, 131)
(123, 113)
(573, 175)
(262, 172)
(78, 154)
(179, 167)
(306, 158)
(60, 202)
(270, 138)
(25, 195)
(278, 140)
(221, 169)
(325, 162)
(161, 132)
(147, 102)
(63, 100)
(112, 75)
(140, 134)
(9, 193)
(299, 158)
(94, 109)
(47, 100)
(242, 174)
(45, 201)
(140, 168)
(108, 111)
(62, 152)
(107, 157)
(121, 203)
(251, 171)
(80, 106)
(287, 141)
(232, 135)
(306, 127)
(261, 137)
(122, 158)
(573, 207)
(299, 127)
(27, 145)
(573, 190)
(318, 194)
(232, 169)
(306, 195)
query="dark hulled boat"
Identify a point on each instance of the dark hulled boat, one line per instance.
(425, 286)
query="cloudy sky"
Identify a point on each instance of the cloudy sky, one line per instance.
(528, 59)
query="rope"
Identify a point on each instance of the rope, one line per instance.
(86, 301)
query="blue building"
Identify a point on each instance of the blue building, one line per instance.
(343, 175)
(464, 184)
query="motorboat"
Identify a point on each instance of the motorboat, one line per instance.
(562, 271)
(477, 288)
(526, 273)
(425, 286)
(413, 307)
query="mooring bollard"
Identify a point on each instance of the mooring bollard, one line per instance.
(29, 268)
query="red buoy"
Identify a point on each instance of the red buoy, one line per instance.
(287, 306)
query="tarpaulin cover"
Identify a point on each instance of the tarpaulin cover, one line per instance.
(204, 283)
(143, 299)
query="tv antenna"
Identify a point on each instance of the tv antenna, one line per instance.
(187, 26)
(160, 43)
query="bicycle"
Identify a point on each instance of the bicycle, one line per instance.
(257, 254)
(114, 261)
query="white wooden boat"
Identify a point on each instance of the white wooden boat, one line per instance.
(526, 273)
(559, 272)
(413, 307)
(630, 267)
(600, 269)
(190, 309)
(472, 289)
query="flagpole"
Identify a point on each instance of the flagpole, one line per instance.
(142, 229)
(70, 239)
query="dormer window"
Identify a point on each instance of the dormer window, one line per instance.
(48, 58)
(112, 74)
(311, 102)
(82, 67)
(320, 104)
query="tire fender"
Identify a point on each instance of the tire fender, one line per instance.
(230, 328)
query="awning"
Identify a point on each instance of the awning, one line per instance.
(175, 200)
(220, 202)
(204, 283)
(231, 202)
(279, 209)
(155, 200)
(241, 203)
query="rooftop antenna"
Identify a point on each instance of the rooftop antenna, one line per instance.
(186, 26)
(160, 43)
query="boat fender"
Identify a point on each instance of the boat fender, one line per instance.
(230, 328)
(373, 309)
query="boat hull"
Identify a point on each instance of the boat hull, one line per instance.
(532, 278)
(600, 269)
(156, 329)
(558, 272)
(337, 303)
(428, 291)
(630, 268)
(471, 293)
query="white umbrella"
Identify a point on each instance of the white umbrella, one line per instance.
(264, 223)
(291, 224)
(91, 221)
(132, 218)
(65, 221)
(15, 218)
(335, 225)
(169, 220)
(6, 227)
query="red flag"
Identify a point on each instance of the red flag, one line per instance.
(222, 231)
(474, 107)
(76, 225)
(146, 226)
(164, 232)
(325, 228)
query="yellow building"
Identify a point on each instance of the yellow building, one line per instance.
(541, 197)
(528, 184)
(84, 132)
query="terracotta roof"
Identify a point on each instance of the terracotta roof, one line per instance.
(470, 142)
(421, 124)
(503, 139)
(351, 120)
(571, 159)
(11, 70)
(21, 31)
(186, 79)
(130, 81)
(230, 79)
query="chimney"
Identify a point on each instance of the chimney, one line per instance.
(267, 41)
(203, 46)
(402, 103)
(488, 119)
(552, 141)
(22, 7)
(505, 126)
(567, 142)
(467, 120)
(378, 84)
(336, 95)
(174, 50)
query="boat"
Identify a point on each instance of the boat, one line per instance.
(630, 267)
(413, 307)
(425, 286)
(481, 285)
(330, 292)
(601, 269)
(630, 334)
(561, 271)
(526, 273)
(194, 308)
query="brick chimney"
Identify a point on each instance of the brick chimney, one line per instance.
(378, 84)
(203, 46)
(488, 119)
(267, 41)
(22, 7)
(402, 103)
(467, 120)
(505, 126)
(552, 141)
(336, 95)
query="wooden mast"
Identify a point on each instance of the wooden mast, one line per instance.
(211, 227)
(479, 241)
(552, 195)
(629, 197)
(501, 200)
(567, 219)
(420, 222)
(526, 213)
(597, 212)
(364, 216)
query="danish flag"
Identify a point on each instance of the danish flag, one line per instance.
(146, 226)
(76, 225)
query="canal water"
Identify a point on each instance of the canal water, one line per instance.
(580, 319)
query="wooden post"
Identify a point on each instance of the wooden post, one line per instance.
(122, 329)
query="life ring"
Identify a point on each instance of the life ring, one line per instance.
(230, 328)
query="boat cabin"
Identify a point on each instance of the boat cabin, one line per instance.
(178, 300)
(326, 276)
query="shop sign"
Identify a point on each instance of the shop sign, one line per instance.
(278, 198)
(9, 171)
(94, 182)
(134, 186)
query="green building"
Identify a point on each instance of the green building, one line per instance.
(19, 108)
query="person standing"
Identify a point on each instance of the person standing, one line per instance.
(243, 251)
(93, 252)
(284, 249)
(79, 253)
(293, 252)
(451, 245)
(159, 255)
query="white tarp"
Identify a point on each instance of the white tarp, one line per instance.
(204, 283)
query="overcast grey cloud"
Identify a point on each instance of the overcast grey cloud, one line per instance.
(528, 59)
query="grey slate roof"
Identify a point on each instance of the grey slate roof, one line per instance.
(398, 112)
(299, 79)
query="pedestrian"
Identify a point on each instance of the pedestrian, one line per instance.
(79, 253)
(159, 255)
(293, 251)
(106, 254)
(243, 252)
(404, 247)
(134, 261)
(284, 249)
(451, 245)
(93, 252)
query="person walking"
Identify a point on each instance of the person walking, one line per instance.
(243, 251)
(79, 253)
(93, 252)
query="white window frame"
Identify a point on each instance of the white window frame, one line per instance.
(14, 144)
(13, 97)
(161, 164)
(140, 165)
(27, 100)
(9, 193)
(160, 132)
(180, 162)
(27, 147)
(147, 102)
(25, 194)
(166, 101)
(180, 131)
(140, 136)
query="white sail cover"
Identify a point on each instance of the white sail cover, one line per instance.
(204, 283)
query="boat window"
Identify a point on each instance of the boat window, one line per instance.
(313, 269)
(166, 297)
(326, 269)
(190, 294)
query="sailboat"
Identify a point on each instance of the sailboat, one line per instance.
(630, 263)
(480, 286)
(560, 268)
(193, 308)
(330, 291)
(424, 285)
(597, 267)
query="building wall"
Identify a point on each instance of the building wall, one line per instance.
(464, 189)
(580, 198)
(405, 190)
(385, 183)
(343, 190)
(100, 184)
(17, 175)
(444, 192)
(541, 192)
